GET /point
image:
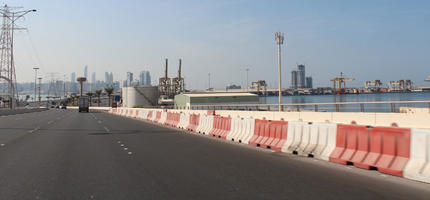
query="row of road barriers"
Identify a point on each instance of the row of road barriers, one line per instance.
(398, 151)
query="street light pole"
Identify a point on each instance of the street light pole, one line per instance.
(209, 77)
(279, 37)
(35, 82)
(40, 83)
(247, 83)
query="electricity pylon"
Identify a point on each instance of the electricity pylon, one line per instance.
(7, 66)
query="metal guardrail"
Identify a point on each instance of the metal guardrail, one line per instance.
(334, 106)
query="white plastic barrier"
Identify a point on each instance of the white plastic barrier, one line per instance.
(246, 132)
(130, 113)
(208, 124)
(236, 128)
(418, 167)
(317, 140)
(143, 114)
(163, 117)
(326, 140)
(154, 115)
(202, 123)
(295, 133)
(185, 120)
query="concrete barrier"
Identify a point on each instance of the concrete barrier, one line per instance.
(4, 112)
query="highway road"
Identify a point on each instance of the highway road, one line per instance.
(63, 154)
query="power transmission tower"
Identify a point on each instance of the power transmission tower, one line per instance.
(7, 66)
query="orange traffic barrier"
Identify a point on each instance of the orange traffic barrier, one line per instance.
(346, 143)
(386, 149)
(194, 122)
(157, 116)
(261, 132)
(149, 115)
(221, 127)
(277, 136)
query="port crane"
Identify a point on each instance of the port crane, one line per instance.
(258, 84)
(337, 83)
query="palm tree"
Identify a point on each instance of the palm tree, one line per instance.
(109, 91)
(90, 95)
(98, 93)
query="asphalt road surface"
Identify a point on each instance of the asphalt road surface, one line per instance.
(63, 154)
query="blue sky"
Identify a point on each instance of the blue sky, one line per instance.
(367, 40)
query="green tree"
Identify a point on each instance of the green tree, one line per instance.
(98, 93)
(109, 91)
(90, 95)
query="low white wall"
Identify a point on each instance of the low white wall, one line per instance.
(410, 120)
(407, 120)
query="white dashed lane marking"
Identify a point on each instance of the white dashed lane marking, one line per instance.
(107, 130)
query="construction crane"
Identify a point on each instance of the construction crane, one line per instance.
(258, 84)
(339, 89)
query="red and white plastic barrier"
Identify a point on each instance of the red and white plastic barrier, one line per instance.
(397, 151)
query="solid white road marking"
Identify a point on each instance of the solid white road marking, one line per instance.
(50, 122)
(129, 153)
(125, 149)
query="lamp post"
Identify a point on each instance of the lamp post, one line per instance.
(247, 83)
(35, 84)
(209, 84)
(81, 81)
(279, 37)
(40, 83)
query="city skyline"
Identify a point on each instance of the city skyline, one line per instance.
(370, 40)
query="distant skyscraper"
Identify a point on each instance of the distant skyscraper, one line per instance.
(301, 79)
(142, 76)
(309, 82)
(129, 78)
(111, 78)
(73, 77)
(107, 77)
(147, 78)
(86, 72)
(294, 79)
(93, 77)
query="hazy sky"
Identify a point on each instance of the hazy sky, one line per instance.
(367, 40)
